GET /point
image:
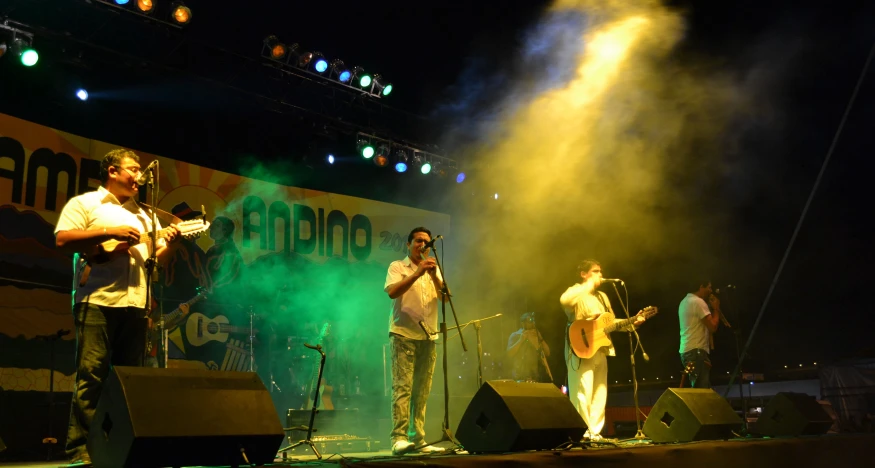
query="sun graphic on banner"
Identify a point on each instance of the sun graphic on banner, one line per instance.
(188, 189)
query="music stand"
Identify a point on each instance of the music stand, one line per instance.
(309, 428)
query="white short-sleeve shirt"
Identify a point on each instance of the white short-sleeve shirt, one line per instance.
(694, 333)
(419, 303)
(121, 282)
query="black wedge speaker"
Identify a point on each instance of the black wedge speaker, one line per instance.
(793, 414)
(149, 417)
(509, 416)
(688, 414)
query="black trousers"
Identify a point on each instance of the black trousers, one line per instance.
(105, 336)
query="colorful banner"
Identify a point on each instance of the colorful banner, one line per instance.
(277, 264)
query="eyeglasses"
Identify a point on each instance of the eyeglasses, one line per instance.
(132, 170)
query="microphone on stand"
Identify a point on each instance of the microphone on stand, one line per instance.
(144, 174)
(611, 280)
(430, 244)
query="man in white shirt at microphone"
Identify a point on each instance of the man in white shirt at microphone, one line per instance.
(588, 378)
(697, 322)
(414, 284)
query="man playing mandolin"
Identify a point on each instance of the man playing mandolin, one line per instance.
(109, 289)
(588, 377)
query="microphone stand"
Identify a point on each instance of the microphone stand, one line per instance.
(735, 333)
(476, 323)
(152, 264)
(639, 435)
(446, 433)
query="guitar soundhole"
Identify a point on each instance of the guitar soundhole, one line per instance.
(212, 328)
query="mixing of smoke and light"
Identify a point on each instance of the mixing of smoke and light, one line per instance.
(593, 166)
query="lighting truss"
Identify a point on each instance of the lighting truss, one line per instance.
(298, 60)
(448, 165)
(157, 11)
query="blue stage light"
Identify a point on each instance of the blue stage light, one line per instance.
(82, 94)
(460, 178)
(400, 167)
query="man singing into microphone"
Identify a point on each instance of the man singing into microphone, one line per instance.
(414, 285)
(588, 378)
(697, 322)
(109, 290)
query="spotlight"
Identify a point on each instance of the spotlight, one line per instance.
(381, 157)
(277, 49)
(121, 2)
(302, 59)
(460, 177)
(339, 70)
(28, 55)
(330, 159)
(319, 62)
(365, 149)
(365, 81)
(440, 169)
(82, 94)
(495, 197)
(358, 73)
(3, 49)
(145, 6)
(180, 13)
(381, 86)
(420, 162)
(400, 161)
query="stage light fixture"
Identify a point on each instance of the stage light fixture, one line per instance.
(278, 50)
(381, 86)
(26, 54)
(145, 6)
(420, 162)
(82, 94)
(439, 168)
(339, 70)
(302, 59)
(121, 2)
(400, 161)
(330, 159)
(319, 62)
(460, 177)
(381, 157)
(365, 81)
(426, 167)
(365, 148)
(3, 49)
(180, 13)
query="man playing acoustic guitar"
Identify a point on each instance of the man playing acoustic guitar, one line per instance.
(109, 289)
(588, 377)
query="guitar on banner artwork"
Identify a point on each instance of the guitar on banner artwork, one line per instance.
(587, 336)
(200, 329)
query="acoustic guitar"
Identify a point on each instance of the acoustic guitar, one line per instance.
(172, 319)
(112, 248)
(587, 336)
(200, 329)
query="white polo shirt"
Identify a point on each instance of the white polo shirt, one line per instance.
(419, 303)
(121, 282)
(694, 333)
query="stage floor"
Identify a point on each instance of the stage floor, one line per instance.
(816, 451)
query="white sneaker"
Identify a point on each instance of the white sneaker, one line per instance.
(430, 449)
(400, 447)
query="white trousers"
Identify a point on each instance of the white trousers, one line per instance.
(588, 388)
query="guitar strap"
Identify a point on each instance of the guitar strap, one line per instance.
(163, 216)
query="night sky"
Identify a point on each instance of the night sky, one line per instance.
(800, 59)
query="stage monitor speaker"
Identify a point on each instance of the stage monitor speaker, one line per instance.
(793, 414)
(183, 417)
(509, 416)
(688, 414)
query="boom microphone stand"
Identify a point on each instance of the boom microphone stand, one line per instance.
(446, 434)
(639, 435)
(477, 326)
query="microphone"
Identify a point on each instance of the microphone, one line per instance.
(430, 244)
(728, 286)
(144, 174)
(611, 280)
